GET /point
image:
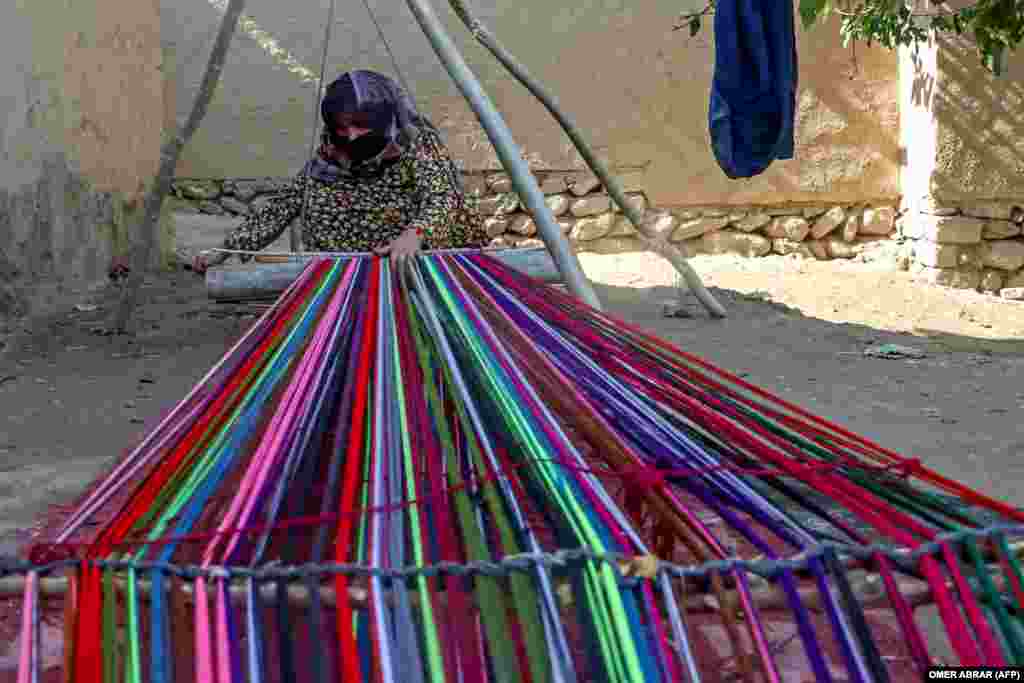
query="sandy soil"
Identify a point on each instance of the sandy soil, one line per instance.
(71, 400)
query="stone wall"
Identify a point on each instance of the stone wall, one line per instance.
(963, 174)
(587, 216)
(972, 245)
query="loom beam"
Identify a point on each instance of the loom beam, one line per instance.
(269, 280)
(768, 597)
(508, 152)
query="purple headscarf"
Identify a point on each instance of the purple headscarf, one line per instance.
(391, 110)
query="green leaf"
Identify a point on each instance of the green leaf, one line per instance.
(998, 65)
(997, 25)
(694, 26)
(810, 10)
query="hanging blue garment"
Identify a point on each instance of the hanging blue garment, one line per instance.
(753, 94)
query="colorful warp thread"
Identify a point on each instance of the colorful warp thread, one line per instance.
(457, 412)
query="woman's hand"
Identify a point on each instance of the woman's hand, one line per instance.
(119, 268)
(403, 246)
(205, 259)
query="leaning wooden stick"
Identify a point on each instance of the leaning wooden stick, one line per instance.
(146, 238)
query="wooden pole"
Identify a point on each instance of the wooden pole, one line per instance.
(508, 152)
(766, 597)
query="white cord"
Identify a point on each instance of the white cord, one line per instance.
(297, 243)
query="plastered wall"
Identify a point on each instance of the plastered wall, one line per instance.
(979, 125)
(963, 180)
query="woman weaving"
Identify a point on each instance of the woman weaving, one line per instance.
(381, 181)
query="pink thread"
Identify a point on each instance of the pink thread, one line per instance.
(204, 655)
(770, 669)
(135, 460)
(675, 669)
(959, 635)
(48, 552)
(569, 303)
(224, 643)
(27, 658)
(867, 506)
(263, 459)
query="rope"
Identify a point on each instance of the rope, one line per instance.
(317, 97)
(391, 54)
(565, 559)
(452, 176)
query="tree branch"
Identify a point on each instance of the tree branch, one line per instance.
(686, 19)
(170, 153)
(996, 25)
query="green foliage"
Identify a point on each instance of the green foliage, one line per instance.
(812, 10)
(997, 26)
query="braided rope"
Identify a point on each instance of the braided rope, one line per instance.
(529, 562)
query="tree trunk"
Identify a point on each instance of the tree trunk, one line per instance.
(146, 238)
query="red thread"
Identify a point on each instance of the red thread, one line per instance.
(768, 446)
(993, 655)
(348, 654)
(912, 467)
(644, 477)
(648, 477)
(88, 662)
(572, 308)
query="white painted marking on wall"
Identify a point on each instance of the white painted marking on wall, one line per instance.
(270, 45)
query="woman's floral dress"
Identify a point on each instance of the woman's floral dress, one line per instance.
(419, 189)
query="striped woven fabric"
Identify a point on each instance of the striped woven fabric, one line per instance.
(382, 479)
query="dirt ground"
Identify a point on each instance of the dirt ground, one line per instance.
(71, 400)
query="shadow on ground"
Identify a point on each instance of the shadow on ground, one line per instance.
(756, 314)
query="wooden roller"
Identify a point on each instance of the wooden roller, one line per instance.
(273, 272)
